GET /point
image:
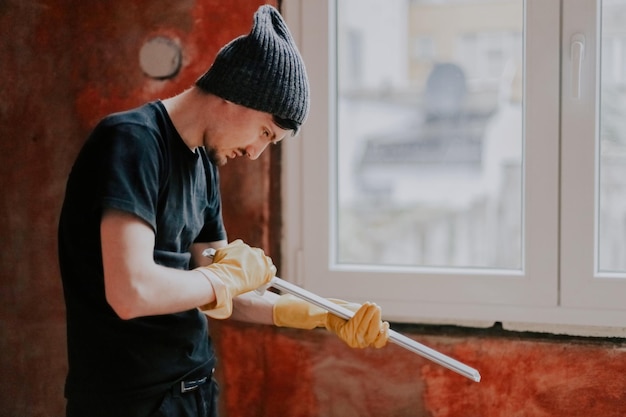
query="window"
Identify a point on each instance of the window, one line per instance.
(463, 160)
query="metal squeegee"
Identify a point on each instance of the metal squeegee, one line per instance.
(394, 336)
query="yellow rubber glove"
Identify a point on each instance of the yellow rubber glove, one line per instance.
(236, 269)
(365, 329)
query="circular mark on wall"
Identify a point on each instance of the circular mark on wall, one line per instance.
(160, 58)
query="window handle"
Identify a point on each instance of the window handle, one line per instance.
(577, 54)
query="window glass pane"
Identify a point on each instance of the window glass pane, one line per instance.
(429, 133)
(612, 162)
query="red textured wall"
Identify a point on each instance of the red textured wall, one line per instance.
(63, 65)
(66, 63)
(293, 373)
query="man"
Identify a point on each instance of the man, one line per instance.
(142, 204)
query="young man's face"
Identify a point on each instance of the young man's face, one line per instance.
(240, 131)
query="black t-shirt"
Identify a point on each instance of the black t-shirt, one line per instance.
(134, 161)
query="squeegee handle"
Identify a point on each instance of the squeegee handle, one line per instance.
(394, 337)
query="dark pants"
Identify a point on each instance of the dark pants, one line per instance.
(192, 400)
(200, 402)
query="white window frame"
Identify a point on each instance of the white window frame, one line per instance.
(557, 289)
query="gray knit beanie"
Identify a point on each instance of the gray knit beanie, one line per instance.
(262, 70)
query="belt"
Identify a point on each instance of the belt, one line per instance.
(188, 385)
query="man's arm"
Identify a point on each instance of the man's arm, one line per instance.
(364, 329)
(134, 284)
(254, 308)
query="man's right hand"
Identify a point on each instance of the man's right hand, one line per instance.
(236, 269)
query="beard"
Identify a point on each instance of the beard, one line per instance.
(216, 158)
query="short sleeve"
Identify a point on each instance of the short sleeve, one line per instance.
(127, 170)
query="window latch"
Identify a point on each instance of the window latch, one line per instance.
(577, 55)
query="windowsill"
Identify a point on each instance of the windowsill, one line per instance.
(525, 331)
